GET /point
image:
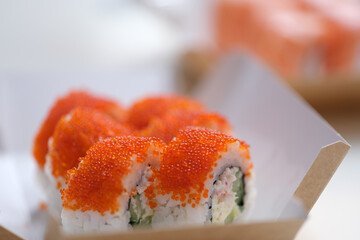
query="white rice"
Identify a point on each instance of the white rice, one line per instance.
(91, 221)
(49, 185)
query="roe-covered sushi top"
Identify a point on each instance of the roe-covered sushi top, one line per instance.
(76, 133)
(98, 181)
(121, 175)
(189, 160)
(167, 126)
(141, 112)
(63, 106)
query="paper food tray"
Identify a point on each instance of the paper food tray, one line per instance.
(295, 153)
(329, 93)
(323, 92)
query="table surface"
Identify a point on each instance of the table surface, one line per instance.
(342, 194)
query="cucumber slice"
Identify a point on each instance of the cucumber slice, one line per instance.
(235, 212)
(135, 210)
(138, 215)
(239, 188)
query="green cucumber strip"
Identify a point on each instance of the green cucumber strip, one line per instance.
(235, 212)
(239, 188)
(135, 209)
(137, 213)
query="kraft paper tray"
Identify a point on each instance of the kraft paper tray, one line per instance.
(329, 93)
(282, 130)
(308, 192)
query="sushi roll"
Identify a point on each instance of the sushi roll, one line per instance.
(62, 107)
(74, 134)
(167, 127)
(204, 177)
(111, 186)
(142, 111)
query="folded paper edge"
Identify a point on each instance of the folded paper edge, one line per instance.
(6, 234)
(320, 173)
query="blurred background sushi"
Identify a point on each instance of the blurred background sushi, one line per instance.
(126, 49)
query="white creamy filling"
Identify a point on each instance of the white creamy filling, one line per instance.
(223, 199)
(141, 206)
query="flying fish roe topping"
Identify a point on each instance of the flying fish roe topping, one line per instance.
(168, 126)
(76, 133)
(62, 107)
(43, 206)
(188, 161)
(150, 193)
(141, 112)
(97, 183)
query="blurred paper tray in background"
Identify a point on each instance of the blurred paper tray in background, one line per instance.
(323, 93)
(331, 93)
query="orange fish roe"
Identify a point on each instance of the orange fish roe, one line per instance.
(143, 111)
(63, 106)
(76, 133)
(189, 160)
(167, 127)
(43, 206)
(150, 192)
(97, 182)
